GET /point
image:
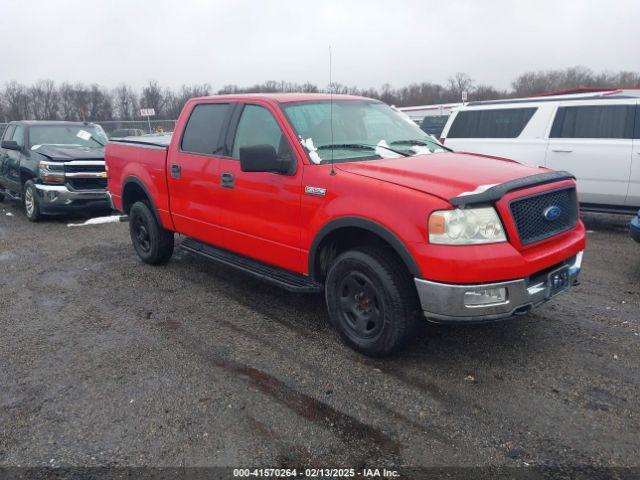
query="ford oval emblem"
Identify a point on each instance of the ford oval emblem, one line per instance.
(552, 213)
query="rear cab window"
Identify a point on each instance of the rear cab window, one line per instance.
(205, 128)
(491, 123)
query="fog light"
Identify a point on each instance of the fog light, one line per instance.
(51, 196)
(484, 296)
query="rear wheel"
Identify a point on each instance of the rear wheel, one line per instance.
(1, 197)
(372, 300)
(152, 243)
(30, 202)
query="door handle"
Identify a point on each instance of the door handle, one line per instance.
(557, 150)
(176, 171)
(227, 180)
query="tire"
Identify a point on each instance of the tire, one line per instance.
(372, 300)
(152, 243)
(1, 197)
(30, 202)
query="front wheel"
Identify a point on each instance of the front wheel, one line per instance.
(152, 243)
(30, 201)
(372, 300)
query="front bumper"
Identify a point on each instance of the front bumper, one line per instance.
(634, 228)
(60, 199)
(445, 303)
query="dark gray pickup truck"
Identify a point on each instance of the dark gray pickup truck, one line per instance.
(54, 167)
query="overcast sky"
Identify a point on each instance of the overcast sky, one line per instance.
(250, 41)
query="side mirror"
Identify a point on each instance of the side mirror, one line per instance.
(262, 158)
(10, 145)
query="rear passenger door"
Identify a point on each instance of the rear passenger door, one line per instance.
(193, 172)
(593, 141)
(633, 195)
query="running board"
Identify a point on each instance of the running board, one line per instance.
(11, 195)
(290, 281)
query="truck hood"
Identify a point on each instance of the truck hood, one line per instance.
(66, 153)
(445, 175)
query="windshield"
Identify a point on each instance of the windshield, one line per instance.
(362, 130)
(91, 136)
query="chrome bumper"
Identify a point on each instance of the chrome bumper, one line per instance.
(445, 303)
(53, 197)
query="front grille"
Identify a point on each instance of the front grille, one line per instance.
(88, 183)
(529, 214)
(84, 168)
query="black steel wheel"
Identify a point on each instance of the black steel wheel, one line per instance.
(372, 300)
(360, 306)
(152, 243)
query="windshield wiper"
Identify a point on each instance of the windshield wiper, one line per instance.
(420, 143)
(96, 140)
(361, 146)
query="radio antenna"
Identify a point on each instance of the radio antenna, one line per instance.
(333, 172)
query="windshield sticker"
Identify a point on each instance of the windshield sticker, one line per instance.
(382, 150)
(313, 154)
(84, 135)
(421, 150)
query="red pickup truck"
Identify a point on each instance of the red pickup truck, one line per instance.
(345, 195)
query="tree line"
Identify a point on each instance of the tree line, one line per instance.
(45, 100)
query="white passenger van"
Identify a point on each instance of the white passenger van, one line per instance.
(595, 136)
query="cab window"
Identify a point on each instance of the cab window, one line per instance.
(18, 135)
(204, 128)
(8, 133)
(258, 127)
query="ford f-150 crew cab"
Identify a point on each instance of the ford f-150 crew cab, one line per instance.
(343, 195)
(54, 167)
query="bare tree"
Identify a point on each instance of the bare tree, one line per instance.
(153, 97)
(16, 101)
(126, 102)
(460, 82)
(43, 100)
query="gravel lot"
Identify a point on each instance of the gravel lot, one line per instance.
(106, 361)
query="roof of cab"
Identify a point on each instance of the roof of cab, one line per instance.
(285, 97)
(50, 122)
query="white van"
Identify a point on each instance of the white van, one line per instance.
(595, 136)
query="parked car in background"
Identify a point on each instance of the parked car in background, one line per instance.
(635, 227)
(54, 167)
(431, 118)
(127, 132)
(595, 136)
(373, 212)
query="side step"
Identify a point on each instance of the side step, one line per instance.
(291, 281)
(11, 195)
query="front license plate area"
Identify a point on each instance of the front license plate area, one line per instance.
(558, 281)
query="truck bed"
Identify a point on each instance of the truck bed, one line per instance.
(140, 162)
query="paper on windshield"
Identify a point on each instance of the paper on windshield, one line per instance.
(84, 135)
(313, 153)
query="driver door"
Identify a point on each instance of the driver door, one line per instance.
(260, 211)
(12, 162)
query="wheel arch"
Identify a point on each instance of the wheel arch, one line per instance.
(345, 225)
(134, 190)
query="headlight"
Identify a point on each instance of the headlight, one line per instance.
(51, 172)
(469, 226)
